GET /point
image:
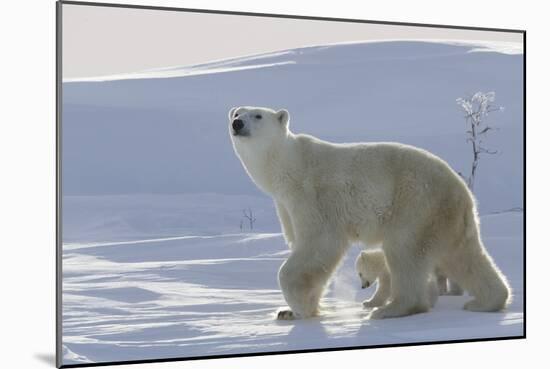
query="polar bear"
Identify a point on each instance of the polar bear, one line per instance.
(371, 267)
(329, 195)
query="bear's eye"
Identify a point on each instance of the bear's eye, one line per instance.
(258, 116)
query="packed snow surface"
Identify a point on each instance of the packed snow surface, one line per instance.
(210, 295)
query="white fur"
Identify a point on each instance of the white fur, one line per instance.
(371, 267)
(329, 195)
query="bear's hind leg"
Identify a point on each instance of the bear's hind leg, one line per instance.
(473, 268)
(409, 280)
(304, 275)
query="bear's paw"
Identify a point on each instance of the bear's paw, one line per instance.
(285, 314)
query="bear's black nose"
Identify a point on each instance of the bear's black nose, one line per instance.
(238, 125)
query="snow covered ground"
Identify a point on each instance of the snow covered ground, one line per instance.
(158, 260)
(209, 295)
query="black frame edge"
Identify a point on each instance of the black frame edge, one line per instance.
(525, 184)
(58, 192)
(58, 112)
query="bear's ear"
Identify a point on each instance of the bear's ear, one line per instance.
(283, 117)
(232, 112)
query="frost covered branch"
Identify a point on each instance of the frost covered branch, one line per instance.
(477, 107)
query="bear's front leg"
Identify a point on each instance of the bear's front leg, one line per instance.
(304, 275)
(286, 223)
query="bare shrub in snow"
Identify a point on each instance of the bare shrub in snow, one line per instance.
(477, 107)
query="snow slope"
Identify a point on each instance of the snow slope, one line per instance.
(169, 135)
(155, 262)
